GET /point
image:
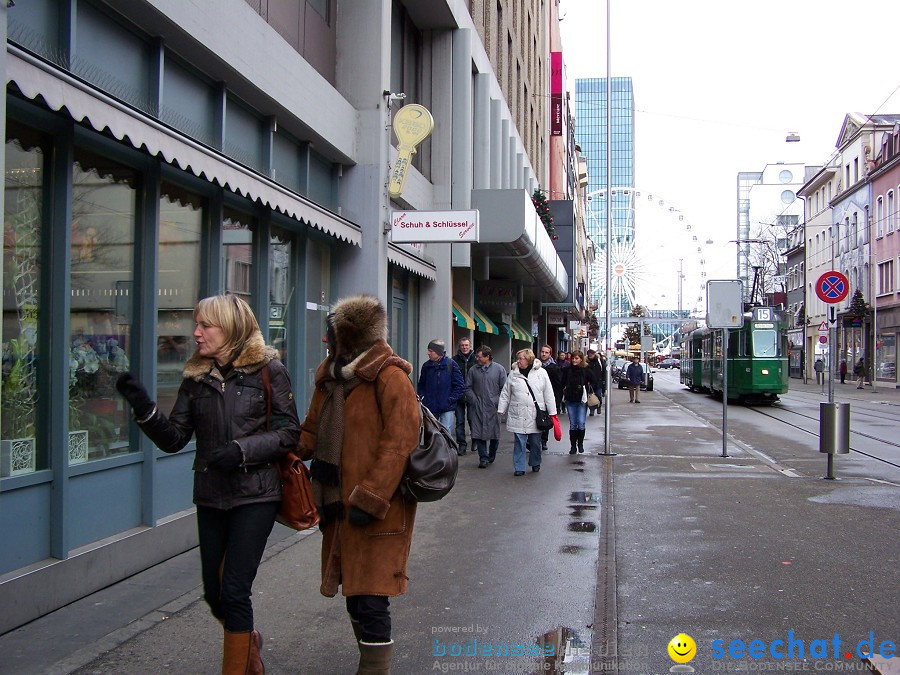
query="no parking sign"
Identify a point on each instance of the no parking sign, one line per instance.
(832, 287)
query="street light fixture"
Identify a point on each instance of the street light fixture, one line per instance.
(792, 137)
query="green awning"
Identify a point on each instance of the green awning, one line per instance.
(516, 332)
(523, 335)
(463, 320)
(484, 324)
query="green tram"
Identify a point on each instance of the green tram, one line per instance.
(757, 358)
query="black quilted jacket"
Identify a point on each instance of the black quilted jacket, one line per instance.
(218, 411)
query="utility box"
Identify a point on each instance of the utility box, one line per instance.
(834, 428)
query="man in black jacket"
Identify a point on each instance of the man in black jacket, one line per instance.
(597, 366)
(554, 372)
(465, 357)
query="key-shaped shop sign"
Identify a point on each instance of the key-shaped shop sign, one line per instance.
(412, 125)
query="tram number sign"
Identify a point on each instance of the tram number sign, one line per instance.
(832, 287)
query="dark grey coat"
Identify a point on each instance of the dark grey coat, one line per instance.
(483, 387)
(219, 411)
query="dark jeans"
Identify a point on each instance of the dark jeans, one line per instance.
(373, 613)
(461, 424)
(231, 546)
(482, 447)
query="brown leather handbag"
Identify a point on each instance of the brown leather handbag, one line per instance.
(298, 507)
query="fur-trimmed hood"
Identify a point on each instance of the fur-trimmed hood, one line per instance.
(359, 321)
(366, 366)
(253, 356)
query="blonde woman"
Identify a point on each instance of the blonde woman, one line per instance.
(228, 386)
(517, 404)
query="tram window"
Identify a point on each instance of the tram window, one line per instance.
(765, 343)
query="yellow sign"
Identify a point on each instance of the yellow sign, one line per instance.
(412, 124)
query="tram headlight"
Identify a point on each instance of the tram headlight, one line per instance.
(764, 371)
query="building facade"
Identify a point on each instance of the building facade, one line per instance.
(591, 134)
(159, 151)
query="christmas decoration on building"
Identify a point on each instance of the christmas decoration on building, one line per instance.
(858, 307)
(542, 206)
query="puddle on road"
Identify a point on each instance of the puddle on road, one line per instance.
(582, 527)
(571, 549)
(565, 651)
(579, 509)
(585, 497)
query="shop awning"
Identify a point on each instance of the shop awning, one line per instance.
(463, 320)
(516, 332)
(484, 324)
(87, 104)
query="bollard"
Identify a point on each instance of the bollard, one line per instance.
(834, 432)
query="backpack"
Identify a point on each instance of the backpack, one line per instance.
(433, 463)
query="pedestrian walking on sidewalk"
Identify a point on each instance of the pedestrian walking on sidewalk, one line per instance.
(465, 359)
(362, 424)
(525, 380)
(842, 369)
(441, 385)
(819, 367)
(597, 365)
(483, 386)
(634, 374)
(578, 382)
(859, 371)
(236, 398)
(555, 373)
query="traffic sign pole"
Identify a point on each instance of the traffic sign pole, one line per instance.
(832, 287)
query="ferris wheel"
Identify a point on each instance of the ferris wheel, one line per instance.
(656, 257)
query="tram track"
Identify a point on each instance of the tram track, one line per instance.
(816, 434)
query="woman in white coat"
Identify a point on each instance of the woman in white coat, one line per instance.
(518, 406)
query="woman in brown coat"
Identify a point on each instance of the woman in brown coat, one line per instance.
(362, 424)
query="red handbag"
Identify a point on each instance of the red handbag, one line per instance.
(557, 430)
(298, 506)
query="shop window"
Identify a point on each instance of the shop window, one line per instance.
(321, 181)
(104, 199)
(35, 26)
(318, 304)
(22, 231)
(181, 217)
(243, 136)
(237, 253)
(112, 57)
(189, 102)
(281, 293)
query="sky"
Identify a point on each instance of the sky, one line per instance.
(718, 85)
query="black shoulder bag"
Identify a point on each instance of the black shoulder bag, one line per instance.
(542, 418)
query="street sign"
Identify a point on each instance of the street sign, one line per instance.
(724, 306)
(823, 339)
(823, 327)
(832, 287)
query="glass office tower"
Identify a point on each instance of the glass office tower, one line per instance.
(590, 134)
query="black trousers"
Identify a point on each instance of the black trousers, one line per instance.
(373, 613)
(231, 547)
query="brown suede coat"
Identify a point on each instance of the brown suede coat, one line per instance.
(369, 560)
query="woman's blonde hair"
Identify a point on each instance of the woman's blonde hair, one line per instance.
(233, 315)
(528, 354)
(580, 355)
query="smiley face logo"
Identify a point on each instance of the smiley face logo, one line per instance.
(682, 648)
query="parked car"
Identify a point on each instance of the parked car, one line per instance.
(617, 368)
(669, 363)
(647, 380)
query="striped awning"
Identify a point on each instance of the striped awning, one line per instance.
(516, 332)
(484, 324)
(463, 320)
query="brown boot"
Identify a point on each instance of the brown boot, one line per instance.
(375, 658)
(241, 654)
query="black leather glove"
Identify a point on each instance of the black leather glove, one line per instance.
(226, 458)
(133, 391)
(359, 517)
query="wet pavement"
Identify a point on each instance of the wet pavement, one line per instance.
(592, 565)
